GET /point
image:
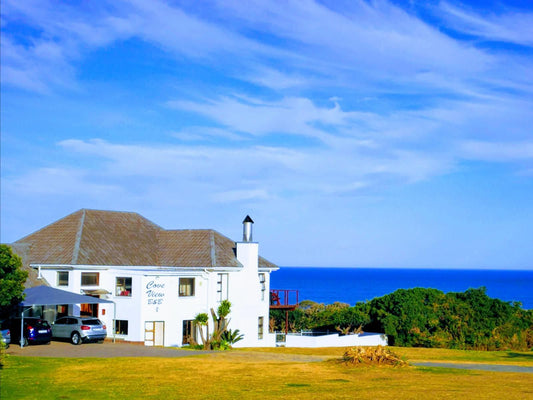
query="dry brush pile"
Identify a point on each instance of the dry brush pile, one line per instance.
(378, 355)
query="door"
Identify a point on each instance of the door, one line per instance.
(154, 333)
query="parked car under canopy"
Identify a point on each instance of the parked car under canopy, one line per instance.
(47, 296)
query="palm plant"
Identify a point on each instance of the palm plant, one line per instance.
(200, 321)
(232, 337)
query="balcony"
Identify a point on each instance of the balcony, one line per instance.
(283, 299)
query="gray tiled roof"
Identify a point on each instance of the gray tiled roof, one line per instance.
(93, 237)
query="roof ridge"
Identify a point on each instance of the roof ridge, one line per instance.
(213, 248)
(76, 250)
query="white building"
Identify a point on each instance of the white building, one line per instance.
(158, 279)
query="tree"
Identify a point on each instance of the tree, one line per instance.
(220, 323)
(12, 279)
(200, 321)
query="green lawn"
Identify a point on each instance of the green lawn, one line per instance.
(264, 373)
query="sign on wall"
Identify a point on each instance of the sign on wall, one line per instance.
(155, 293)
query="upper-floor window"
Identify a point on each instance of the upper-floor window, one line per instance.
(262, 282)
(62, 278)
(90, 278)
(222, 286)
(123, 286)
(186, 287)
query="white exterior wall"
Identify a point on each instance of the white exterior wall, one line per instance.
(335, 340)
(155, 297)
(245, 298)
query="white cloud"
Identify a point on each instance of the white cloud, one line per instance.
(513, 27)
(60, 182)
(232, 196)
(497, 151)
(232, 111)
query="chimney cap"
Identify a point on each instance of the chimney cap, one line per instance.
(248, 219)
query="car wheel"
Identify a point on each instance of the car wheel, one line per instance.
(75, 338)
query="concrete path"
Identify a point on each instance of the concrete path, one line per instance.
(483, 367)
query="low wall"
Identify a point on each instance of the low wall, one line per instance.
(334, 340)
(269, 340)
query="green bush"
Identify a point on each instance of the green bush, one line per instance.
(424, 318)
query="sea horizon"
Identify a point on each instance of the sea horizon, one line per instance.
(351, 285)
(418, 268)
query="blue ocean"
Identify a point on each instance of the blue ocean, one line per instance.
(350, 285)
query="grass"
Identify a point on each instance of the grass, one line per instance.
(264, 373)
(423, 354)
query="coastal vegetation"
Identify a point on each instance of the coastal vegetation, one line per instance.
(422, 317)
(12, 279)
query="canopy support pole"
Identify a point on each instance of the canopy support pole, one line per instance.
(22, 326)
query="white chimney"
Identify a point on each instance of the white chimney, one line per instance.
(247, 229)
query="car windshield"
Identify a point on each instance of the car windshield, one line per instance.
(91, 322)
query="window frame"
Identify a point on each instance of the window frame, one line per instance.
(191, 283)
(222, 286)
(260, 327)
(125, 289)
(188, 331)
(262, 282)
(59, 280)
(87, 274)
(120, 323)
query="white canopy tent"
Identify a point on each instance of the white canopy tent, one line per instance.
(47, 296)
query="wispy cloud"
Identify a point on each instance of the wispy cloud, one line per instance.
(497, 151)
(302, 106)
(512, 27)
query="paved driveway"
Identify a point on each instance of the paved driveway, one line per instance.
(102, 350)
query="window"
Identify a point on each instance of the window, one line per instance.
(222, 287)
(260, 324)
(90, 310)
(90, 278)
(123, 286)
(262, 281)
(121, 327)
(186, 287)
(189, 332)
(61, 310)
(62, 278)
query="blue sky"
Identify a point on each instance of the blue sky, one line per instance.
(355, 133)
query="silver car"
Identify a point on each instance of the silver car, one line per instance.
(79, 329)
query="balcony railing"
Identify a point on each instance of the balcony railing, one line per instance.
(284, 298)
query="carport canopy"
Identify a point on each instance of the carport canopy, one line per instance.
(47, 296)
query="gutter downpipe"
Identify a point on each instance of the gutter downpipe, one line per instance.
(114, 319)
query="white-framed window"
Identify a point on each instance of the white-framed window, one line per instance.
(120, 326)
(222, 286)
(90, 278)
(62, 278)
(123, 286)
(186, 287)
(262, 282)
(260, 323)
